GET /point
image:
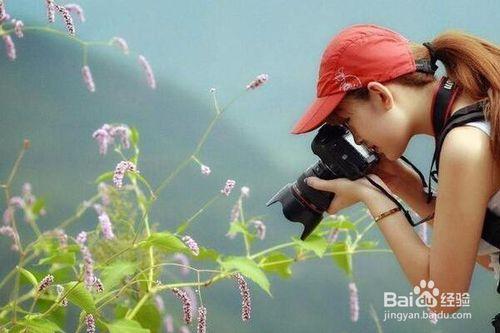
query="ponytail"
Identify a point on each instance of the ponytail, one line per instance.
(474, 63)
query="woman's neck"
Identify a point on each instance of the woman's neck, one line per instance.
(423, 107)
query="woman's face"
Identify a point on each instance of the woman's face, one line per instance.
(378, 122)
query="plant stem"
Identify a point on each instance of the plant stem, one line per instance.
(271, 249)
(186, 224)
(338, 253)
(79, 211)
(138, 306)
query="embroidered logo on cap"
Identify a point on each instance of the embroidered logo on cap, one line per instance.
(347, 81)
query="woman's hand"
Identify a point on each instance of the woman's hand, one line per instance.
(397, 175)
(347, 192)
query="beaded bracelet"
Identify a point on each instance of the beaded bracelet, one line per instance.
(387, 213)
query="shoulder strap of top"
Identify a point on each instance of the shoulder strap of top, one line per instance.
(473, 112)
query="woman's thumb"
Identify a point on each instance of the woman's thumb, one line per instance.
(320, 184)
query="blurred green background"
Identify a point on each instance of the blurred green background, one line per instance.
(193, 46)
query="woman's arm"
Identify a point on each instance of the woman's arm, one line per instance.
(465, 184)
(412, 193)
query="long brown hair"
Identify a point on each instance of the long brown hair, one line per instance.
(472, 62)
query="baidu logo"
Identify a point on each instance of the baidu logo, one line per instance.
(425, 294)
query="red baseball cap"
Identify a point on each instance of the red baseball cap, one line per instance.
(356, 56)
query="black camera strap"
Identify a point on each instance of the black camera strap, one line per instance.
(442, 101)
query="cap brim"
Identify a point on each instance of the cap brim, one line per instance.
(317, 113)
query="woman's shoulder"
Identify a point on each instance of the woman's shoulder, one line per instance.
(466, 153)
(483, 125)
(457, 143)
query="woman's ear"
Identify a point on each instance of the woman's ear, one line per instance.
(380, 96)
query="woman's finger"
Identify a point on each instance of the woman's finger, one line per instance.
(334, 206)
(321, 184)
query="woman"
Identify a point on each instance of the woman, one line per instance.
(377, 83)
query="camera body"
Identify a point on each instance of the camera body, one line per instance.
(340, 157)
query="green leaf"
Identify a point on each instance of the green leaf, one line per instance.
(149, 317)
(120, 311)
(104, 177)
(31, 278)
(62, 273)
(113, 274)
(38, 205)
(278, 263)
(207, 254)
(248, 268)
(126, 326)
(344, 260)
(182, 227)
(314, 243)
(341, 224)
(57, 315)
(134, 136)
(236, 227)
(38, 325)
(59, 258)
(164, 241)
(80, 296)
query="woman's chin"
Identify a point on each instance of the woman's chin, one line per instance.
(391, 157)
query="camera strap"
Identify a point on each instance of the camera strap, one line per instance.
(443, 99)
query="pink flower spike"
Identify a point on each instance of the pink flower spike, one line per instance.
(10, 47)
(18, 28)
(259, 80)
(63, 238)
(3, 13)
(72, 7)
(168, 322)
(228, 187)
(90, 323)
(98, 285)
(81, 238)
(205, 170)
(45, 283)
(182, 259)
(50, 11)
(146, 67)
(7, 215)
(235, 211)
(68, 20)
(12, 234)
(60, 291)
(184, 329)
(160, 305)
(88, 79)
(123, 132)
(120, 170)
(202, 320)
(191, 243)
(246, 303)
(103, 190)
(261, 229)
(186, 303)
(106, 226)
(88, 267)
(353, 301)
(17, 202)
(121, 44)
